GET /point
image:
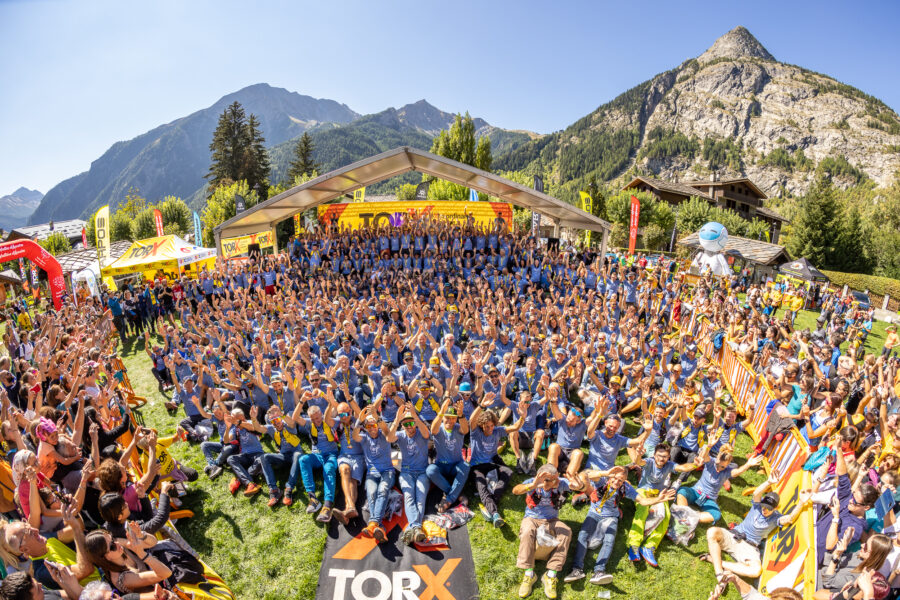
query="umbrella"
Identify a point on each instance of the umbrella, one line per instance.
(802, 269)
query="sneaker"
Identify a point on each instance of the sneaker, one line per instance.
(369, 529)
(419, 535)
(407, 536)
(522, 465)
(574, 575)
(549, 585)
(379, 534)
(274, 497)
(324, 515)
(207, 469)
(649, 556)
(601, 578)
(634, 555)
(234, 486)
(531, 468)
(528, 582)
(484, 513)
(288, 498)
(215, 472)
(313, 505)
(252, 489)
(497, 520)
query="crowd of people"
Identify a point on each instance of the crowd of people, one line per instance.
(445, 359)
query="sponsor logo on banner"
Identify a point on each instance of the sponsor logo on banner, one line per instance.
(157, 217)
(298, 229)
(198, 229)
(240, 245)
(359, 195)
(101, 231)
(356, 568)
(422, 190)
(395, 214)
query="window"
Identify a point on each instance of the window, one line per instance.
(730, 204)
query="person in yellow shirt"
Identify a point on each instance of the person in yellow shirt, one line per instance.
(24, 321)
(891, 342)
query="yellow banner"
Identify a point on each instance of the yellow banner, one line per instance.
(239, 245)
(360, 195)
(790, 555)
(101, 231)
(395, 214)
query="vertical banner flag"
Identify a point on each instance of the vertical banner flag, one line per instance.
(22, 268)
(587, 205)
(198, 230)
(297, 225)
(359, 195)
(473, 195)
(422, 190)
(34, 276)
(83, 237)
(632, 231)
(239, 204)
(536, 217)
(157, 216)
(101, 231)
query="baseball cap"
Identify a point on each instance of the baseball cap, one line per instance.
(770, 500)
(465, 388)
(434, 360)
(451, 412)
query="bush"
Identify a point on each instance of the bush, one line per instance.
(877, 285)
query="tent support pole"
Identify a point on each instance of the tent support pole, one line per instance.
(218, 235)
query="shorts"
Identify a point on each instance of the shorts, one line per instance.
(357, 465)
(270, 290)
(741, 550)
(565, 456)
(707, 505)
(526, 440)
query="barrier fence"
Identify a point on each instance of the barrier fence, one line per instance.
(789, 559)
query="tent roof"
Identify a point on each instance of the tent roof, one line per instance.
(803, 269)
(754, 251)
(400, 160)
(78, 260)
(157, 253)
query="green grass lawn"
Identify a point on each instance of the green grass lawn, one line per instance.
(269, 554)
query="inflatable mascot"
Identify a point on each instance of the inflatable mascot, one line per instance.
(713, 237)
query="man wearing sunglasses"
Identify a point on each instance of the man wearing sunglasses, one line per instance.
(412, 440)
(351, 461)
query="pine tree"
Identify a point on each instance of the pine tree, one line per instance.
(815, 229)
(483, 157)
(257, 161)
(238, 151)
(849, 251)
(303, 163)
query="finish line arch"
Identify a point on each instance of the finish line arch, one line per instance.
(33, 252)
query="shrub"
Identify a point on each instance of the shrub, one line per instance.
(857, 281)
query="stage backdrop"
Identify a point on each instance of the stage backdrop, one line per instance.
(367, 214)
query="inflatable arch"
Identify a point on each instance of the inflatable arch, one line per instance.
(33, 252)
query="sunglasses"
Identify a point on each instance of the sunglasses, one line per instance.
(343, 414)
(409, 423)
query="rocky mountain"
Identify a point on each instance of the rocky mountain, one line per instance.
(173, 158)
(15, 208)
(732, 111)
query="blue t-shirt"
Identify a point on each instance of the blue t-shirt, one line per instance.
(324, 438)
(484, 447)
(603, 451)
(185, 398)
(345, 436)
(414, 450)
(249, 441)
(654, 477)
(286, 439)
(571, 437)
(377, 451)
(448, 445)
(606, 502)
(712, 480)
(544, 508)
(756, 527)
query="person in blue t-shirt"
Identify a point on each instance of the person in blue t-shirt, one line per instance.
(281, 429)
(324, 454)
(544, 494)
(247, 437)
(705, 493)
(376, 443)
(744, 541)
(491, 473)
(448, 433)
(565, 453)
(412, 440)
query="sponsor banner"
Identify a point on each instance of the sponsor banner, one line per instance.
(789, 559)
(633, 228)
(157, 218)
(356, 568)
(395, 214)
(83, 237)
(422, 190)
(298, 229)
(239, 245)
(101, 231)
(198, 230)
(360, 195)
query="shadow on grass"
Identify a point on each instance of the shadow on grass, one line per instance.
(196, 526)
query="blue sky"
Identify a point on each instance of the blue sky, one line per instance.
(78, 76)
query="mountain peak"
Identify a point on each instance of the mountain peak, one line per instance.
(737, 43)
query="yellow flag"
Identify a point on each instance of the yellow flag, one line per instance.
(101, 229)
(359, 195)
(587, 203)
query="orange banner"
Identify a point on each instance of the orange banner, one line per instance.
(635, 218)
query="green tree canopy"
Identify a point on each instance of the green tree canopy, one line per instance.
(220, 207)
(303, 162)
(56, 244)
(815, 228)
(238, 150)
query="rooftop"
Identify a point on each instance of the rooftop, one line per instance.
(78, 260)
(71, 229)
(668, 186)
(754, 251)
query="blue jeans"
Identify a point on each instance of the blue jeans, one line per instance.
(439, 472)
(328, 464)
(216, 454)
(378, 486)
(269, 462)
(608, 525)
(239, 463)
(414, 485)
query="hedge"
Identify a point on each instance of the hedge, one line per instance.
(880, 286)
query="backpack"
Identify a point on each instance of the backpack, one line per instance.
(718, 338)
